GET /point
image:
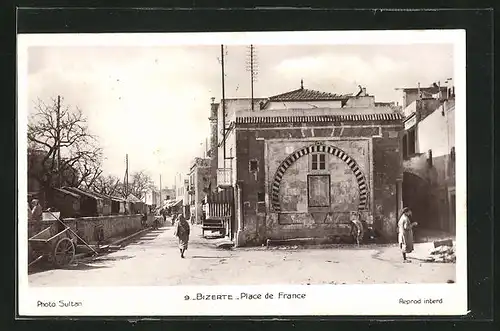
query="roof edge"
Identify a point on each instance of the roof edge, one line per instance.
(319, 118)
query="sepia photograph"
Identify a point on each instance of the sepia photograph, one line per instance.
(214, 171)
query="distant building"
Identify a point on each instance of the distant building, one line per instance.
(199, 185)
(301, 162)
(152, 197)
(168, 193)
(179, 186)
(428, 146)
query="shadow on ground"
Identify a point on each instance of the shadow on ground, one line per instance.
(109, 258)
(208, 257)
(151, 235)
(83, 264)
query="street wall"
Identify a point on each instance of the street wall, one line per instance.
(434, 206)
(86, 227)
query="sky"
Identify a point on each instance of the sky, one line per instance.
(153, 102)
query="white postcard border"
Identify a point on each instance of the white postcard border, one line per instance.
(319, 299)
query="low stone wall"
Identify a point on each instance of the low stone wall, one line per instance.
(87, 228)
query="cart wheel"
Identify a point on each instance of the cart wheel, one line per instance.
(64, 253)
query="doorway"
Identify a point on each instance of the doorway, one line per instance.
(416, 196)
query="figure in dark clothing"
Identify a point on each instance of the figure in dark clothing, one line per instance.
(182, 231)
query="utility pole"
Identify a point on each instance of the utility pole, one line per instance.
(58, 137)
(251, 71)
(223, 106)
(160, 192)
(126, 175)
(252, 67)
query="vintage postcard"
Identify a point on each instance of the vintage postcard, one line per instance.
(283, 173)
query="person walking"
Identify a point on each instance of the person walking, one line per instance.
(182, 231)
(405, 233)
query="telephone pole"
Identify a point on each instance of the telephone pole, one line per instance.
(126, 175)
(58, 137)
(252, 67)
(161, 203)
(223, 106)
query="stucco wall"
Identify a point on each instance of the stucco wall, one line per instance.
(436, 133)
(387, 171)
(202, 181)
(85, 227)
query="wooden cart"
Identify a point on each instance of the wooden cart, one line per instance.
(56, 243)
(58, 247)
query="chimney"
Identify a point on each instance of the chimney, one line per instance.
(213, 109)
(364, 92)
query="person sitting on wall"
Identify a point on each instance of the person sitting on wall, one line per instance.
(30, 214)
(37, 211)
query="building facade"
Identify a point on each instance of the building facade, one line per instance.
(152, 197)
(167, 194)
(199, 185)
(303, 161)
(429, 158)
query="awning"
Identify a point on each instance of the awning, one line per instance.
(177, 203)
(173, 203)
(133, 198)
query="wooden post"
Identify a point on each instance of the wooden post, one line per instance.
(58, 135)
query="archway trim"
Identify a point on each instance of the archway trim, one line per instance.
(319, 148)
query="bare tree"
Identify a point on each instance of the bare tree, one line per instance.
(108, 185)
(68, 153)
(140, 182)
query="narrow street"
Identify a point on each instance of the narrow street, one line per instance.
(153, 260)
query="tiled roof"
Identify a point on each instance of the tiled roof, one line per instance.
(321, 118)
(303, 94)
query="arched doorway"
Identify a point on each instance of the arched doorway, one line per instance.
(319, 147)
(416, 196)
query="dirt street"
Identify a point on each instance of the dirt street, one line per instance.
(153, 260)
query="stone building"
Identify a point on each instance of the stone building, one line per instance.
(199, 185)
(428, 146)
(302, 161)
